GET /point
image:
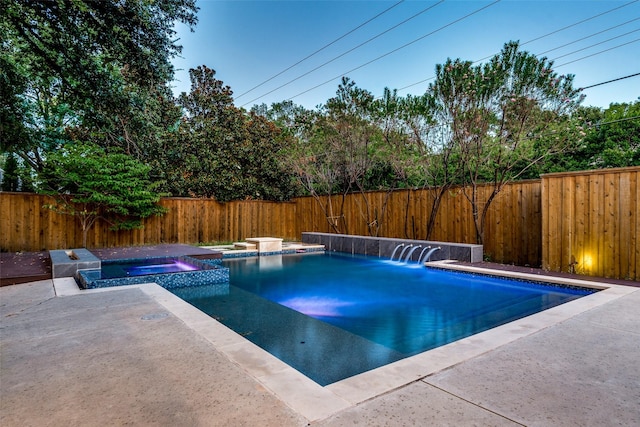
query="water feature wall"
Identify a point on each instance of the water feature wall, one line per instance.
(385, 246)
(65, 263)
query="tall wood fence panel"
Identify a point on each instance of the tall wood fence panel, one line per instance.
(513, 222)
(26, 225)
(587, 222)
(591, 223)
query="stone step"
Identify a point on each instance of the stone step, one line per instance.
(244, 245)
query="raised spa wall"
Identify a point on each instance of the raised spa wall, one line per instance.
(65, 263)
(383, 246)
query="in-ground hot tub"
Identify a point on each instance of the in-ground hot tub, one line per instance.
(168, 272)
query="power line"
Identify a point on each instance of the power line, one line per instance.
(597, 53)
(546, 35)
(347, 52)
(610, 81)
(580, 22)
(587, 37)
(615, 121)
(397, 49)
(593, 45)
(321, 49)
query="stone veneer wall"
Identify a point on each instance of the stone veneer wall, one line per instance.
(384, 246)
(62, 265)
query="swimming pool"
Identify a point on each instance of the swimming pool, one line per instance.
(333, 316)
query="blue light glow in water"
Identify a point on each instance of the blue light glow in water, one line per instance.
(332, 316)
(144, 267)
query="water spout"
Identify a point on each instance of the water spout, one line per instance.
(426, 248)
(411, 253)
(403, 251)
(396, 249)
(428, 255)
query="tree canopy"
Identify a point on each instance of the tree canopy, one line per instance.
(85, 70)
(90, 79)
(88, 183)
(220, 151)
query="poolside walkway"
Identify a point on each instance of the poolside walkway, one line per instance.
(122, 357)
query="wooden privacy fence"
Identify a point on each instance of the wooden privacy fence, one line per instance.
(512, 231)
(585, 222)
(591, 223)
(27, 226)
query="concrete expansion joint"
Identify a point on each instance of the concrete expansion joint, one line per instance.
(472, 403)
(17, 313)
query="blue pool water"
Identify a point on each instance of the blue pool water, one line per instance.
(145, 267)
(332, 316)
(168, 272)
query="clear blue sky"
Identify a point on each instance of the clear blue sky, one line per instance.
(248, 42)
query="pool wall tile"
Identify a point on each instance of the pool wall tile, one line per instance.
(210, 273)
(371, 247)
(342, 244)
(384, 246)
(243, 254)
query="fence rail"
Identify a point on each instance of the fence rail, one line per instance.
(585, 222)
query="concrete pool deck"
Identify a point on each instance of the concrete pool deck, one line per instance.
(138, 355)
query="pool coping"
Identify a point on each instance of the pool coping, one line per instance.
(315, 402)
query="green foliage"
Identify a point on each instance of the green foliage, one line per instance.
(220, 151)
(600, 139)
(614, 141)
(10, 177)
(89, 183)
(498, 116)
(86, 71)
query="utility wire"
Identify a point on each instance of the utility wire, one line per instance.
(321, 49)
(397, 49)
(593, 45)
(610, 81)
(543, 36)
(597, 53)
(587, 37)
(580, 22)
(440, 125)
(614, 121)
(347, 52)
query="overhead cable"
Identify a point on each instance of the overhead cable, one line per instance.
(347, 52)
(321, 49)
(397, 49)
(610, 81)
(543, 36)
(589, 36)
(593, 45)
(597, 53)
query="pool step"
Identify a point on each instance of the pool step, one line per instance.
(244, 245)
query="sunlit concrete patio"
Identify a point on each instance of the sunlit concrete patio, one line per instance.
(140, 356)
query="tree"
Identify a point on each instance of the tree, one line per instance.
(496, 114)
(10, 176)
(403, 155)
(334, 154)
(87, 70)
(88, 183)
(220, 151)
(614, 140)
